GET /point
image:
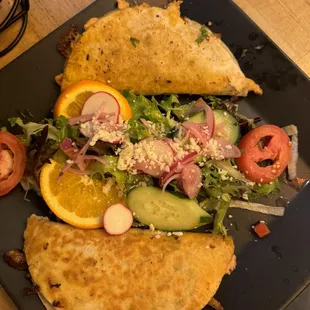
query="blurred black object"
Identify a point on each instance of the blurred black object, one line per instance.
(11, 18)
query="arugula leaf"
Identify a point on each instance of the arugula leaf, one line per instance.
(3, 129)
(218, 225)
(203, 34)
(134, 41)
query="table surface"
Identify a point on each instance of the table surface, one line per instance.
(286, 22)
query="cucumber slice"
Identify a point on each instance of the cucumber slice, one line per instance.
(198, 117)
(150, 205)
(226, 126)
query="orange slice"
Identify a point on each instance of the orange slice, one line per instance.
(77, 200)
(71, 100)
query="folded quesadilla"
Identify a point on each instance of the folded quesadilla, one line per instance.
(151, 51)
(89, 269)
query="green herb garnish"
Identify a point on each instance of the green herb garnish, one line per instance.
(134, 41)
(203, 34)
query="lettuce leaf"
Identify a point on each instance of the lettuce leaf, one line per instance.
(109, 167)
(31, 128)
(168, 103)
(121, 177)
(65, 130)
(57, 129)
(218, 224)
(235, 184)
(137, 130)
(264, 189)
(172, 105)
(147, 109)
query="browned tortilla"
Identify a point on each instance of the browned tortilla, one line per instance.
(151, 50)
(89, 269)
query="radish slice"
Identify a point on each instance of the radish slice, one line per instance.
(190, 180)
(105, 103)
(154, 149)
(117, 219)
(228, 150)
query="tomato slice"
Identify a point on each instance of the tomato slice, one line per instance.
(12, 162)
(277, 149)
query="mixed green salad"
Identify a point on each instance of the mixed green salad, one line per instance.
(178, 166)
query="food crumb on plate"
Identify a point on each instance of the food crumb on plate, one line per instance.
(178, 233)
(261, 229)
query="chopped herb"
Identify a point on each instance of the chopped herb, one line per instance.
(203, 34)
(134, 41)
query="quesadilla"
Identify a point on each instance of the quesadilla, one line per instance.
(150, 51)
(89, 269)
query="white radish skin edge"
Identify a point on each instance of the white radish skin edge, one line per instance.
(104, 102)
(117, 219)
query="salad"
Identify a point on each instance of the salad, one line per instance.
(119, 160)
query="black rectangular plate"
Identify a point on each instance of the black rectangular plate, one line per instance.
(271, 271)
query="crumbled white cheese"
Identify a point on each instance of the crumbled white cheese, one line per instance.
(222, 172)
(177, 233)
(245, 196)
(152, 227)
(107, 187)
(125, 157)
(250, 183)
(213, 150)
(147, 153)
(106, 131)
(86, 180)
